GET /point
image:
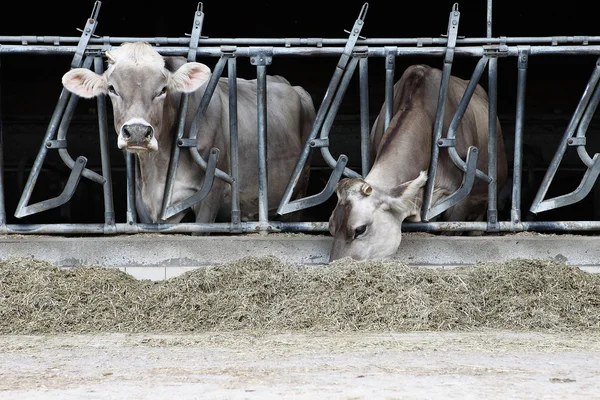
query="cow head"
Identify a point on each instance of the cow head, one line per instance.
(141, 89)
(366, 221)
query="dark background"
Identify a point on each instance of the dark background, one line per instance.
(30, 84)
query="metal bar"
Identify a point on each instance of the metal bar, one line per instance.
(195, 125)
(330, 118)
(562, 147)
(365, 148)
(234, 160)
(492, 213)
(440, 110)
(109, 211)
(2, 197)
(522, 63)
(324, 107)
(277, 226)
(131, 191)
(61, 134)
(31, 41)
(489, 19)
(181, 117)
(460, 111)
(62, 198)
(466, 51)
(322, 196)
(39, 160)
(261, 102)
(463, 191)
(390, 66)
(590, 110)
(209, 178)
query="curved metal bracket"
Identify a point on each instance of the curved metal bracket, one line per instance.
(209, 179)
(587, 183)
(320, 197)
(463, 191)
(61, 199)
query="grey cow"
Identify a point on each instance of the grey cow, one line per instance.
(145, 90)
(366, 221)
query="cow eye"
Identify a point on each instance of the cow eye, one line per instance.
(359, 231)
(111, 90)
(162, 91)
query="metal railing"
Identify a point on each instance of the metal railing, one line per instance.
(354, 51)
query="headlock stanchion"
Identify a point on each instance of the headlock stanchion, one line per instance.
(325, 116)
(353, 51)
(581, 120)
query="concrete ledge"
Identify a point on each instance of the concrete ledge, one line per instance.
(175, 253)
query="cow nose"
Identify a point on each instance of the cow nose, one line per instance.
(137, 133)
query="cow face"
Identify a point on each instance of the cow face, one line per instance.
(142, 91)
(366, 221)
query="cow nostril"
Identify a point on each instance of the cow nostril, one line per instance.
(149, 133)
(126, 134)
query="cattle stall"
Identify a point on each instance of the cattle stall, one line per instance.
(46, 187)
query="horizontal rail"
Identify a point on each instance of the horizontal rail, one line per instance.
(277, 226)
(473, 51)
(288, 42)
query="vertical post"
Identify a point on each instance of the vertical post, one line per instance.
(233, 143)
(493, 225)
(365, 148)
(438, 124)
(130, 174)
(489, 19)
(2, 198)
(109, 212)
(390, 66)
(261, 59)
(515, 213)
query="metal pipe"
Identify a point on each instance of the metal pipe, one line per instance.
(2, 197)
(390, 66)
(522, 63)
(438, 51)
(131, 192)
(492, 214)
(109, 211)
(365, 148)
(552, 168)
(460, 111)
(261, 103)
(56, 41)
(233, 144)
(489, 19)
(276, 226)
(330, 118)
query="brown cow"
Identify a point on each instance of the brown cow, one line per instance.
(145, 89)
(366, 221)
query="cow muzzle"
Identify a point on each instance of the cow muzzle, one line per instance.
(137, 137)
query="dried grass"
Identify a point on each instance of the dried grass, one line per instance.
(265, 293)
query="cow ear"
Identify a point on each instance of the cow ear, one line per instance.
(189, 77)
(406, 202)
(84, 83)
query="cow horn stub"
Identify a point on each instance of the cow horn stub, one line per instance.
(366, 189)
(109, 57)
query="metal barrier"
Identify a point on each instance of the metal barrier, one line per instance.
(88, 50)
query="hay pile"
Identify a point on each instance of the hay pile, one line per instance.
(268, 294)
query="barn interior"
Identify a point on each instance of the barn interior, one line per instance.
(31, 83)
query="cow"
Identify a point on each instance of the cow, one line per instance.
(145, 89)
(366, 221)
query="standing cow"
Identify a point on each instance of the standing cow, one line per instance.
(145, 90)
(366, 221)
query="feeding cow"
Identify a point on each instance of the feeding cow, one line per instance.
(145, 90)
(366, 221)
